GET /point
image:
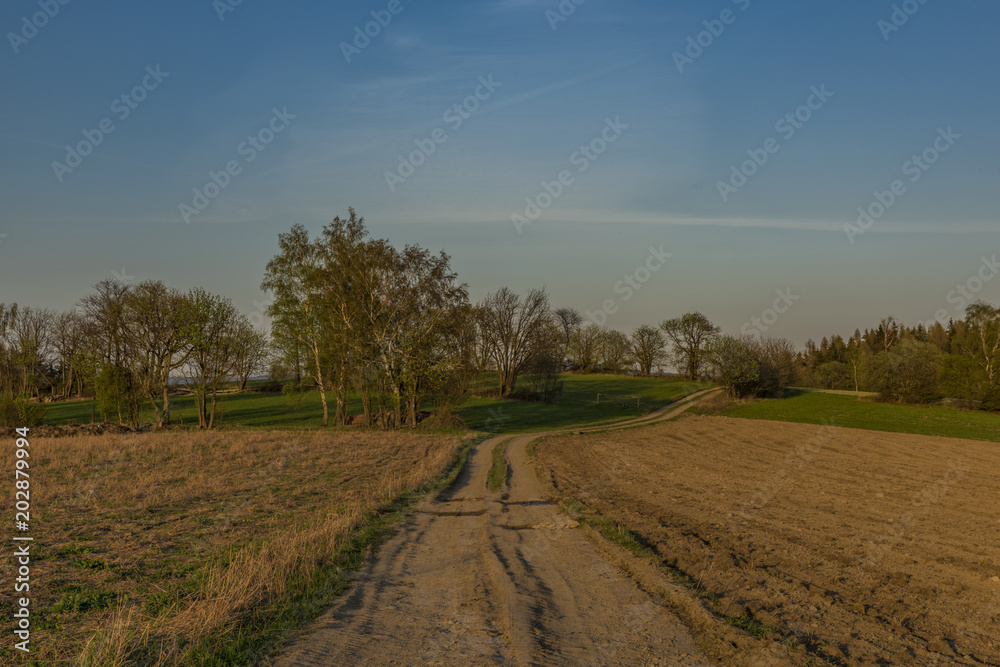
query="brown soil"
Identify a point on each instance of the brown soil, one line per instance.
(859, 548)
(505, 578)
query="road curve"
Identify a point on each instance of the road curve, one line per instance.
(482, 578)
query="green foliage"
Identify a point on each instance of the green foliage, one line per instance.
(20, 411)
(83, 602)
(294, 398)
(578, 404)
(498, 467)
(117, 396)
(962, 379)
(690, 335)
(831, 375)
(734, 365)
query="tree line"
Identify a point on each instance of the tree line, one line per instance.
(125, 345)
(353, 315)
(960, 360)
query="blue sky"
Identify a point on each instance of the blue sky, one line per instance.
(345, 124)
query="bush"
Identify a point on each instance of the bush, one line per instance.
(991, 400)
(293, 397)
(16, 412)
(269, 387)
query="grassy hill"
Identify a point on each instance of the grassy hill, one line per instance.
(577, 407)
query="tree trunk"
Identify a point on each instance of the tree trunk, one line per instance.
(165, 415)
(397, 403)
(211, 414)
(366, 401)
(322, 389)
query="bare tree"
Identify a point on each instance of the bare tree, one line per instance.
(513, 331)
(689, 335)
(68, 340)
(569, 321)
(648, 344)
(615, 350)
(156, 320)
(251, 352)
(776, 363)
(586, 347)
(31, 335)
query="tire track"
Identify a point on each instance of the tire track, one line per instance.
(481, 578)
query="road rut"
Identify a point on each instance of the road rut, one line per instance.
(483, 578)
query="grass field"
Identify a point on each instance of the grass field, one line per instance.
(204, 549)
(251, 409)
(577, 407)
(848, 411)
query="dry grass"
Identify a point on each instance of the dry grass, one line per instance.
(152, 545)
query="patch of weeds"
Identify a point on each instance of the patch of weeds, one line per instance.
(159, 602)
(126, 572)
(498, 467)
(74, 550)
(623, 537)
(91, 564)
(82, 602)
(575, 509)
(751, 626)
(44, 622)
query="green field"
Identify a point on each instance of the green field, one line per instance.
(848, 411)
(577, 407)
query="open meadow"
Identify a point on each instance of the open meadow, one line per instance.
(577, 406)
(848, 547)
(205, 548)
(864, 413)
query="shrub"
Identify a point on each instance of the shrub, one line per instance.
(15, 412)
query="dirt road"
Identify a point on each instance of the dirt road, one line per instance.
(481, 578)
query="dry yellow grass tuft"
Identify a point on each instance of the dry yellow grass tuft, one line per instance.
(158, 541)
